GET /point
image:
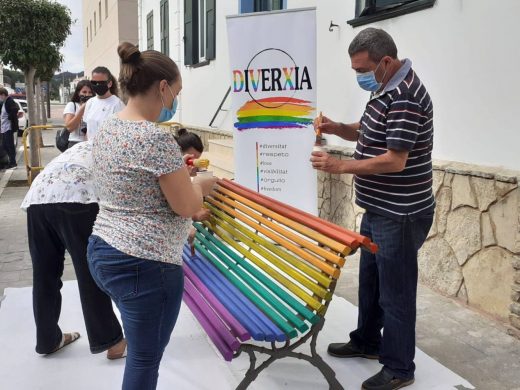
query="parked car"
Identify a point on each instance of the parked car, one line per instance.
(23, 121)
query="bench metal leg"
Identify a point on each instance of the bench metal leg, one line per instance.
(288, 351)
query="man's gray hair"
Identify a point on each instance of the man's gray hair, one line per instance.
(377, 42)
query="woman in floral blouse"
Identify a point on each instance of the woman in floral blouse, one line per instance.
(146, 199)
(61, 208)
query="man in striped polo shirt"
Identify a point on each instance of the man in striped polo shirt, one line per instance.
(393, 180)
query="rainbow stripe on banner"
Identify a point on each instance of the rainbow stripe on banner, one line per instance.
(274, 113)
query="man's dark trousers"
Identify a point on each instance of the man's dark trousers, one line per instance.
(8, 143)
(388, 290)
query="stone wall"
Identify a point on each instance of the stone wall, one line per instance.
(473, 249)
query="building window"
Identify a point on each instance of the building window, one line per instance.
(247, 6)
(199, 32)
(95, 23)
(87, 36)
(149, 31)
(369, 11)
(165, 40)
(99, 9)
(106, 9)
(91, 30)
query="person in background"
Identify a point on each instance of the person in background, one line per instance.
(74, 110)
(9, 125)
(61, 208)
(191, 146)
(146, 201)
(393, 177)
(104, 104)
(190, 143)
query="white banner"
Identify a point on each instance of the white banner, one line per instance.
(273, 87)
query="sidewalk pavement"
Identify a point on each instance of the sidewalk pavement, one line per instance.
(470, 344)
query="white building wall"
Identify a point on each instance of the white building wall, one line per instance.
(464, 51)
(119, 26)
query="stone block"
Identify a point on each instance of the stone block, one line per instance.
(463, 232)
(488, 278)
(462, 193)
(503, 188)
(515, 308)
(438, 179)
(516, 263)
(341, 209)
(448, 177)
(517, 277)
(484, 191)
(514, 320)
(442, 209)
(515, 287)
(438, 267)
(488, 233)
(505, 217)
(515, 296)
(463, 293)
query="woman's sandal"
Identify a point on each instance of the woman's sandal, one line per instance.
(118, 355)
(66, 339)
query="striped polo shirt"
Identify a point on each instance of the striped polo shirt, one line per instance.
(398, 118)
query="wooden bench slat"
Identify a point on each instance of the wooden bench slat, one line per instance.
(352, 239)
(272, 314)
(226, 351)
(300, 271)
(263, 286)
(314, 274)
(255, 321)
(273, 273)
(327, 268)
(320, 238)
(216, 322)
(233, 324)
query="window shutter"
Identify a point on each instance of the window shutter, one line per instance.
(164, 16)
(211, 29)
(191, 25)
(149, 31)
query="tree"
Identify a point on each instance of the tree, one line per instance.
(31, 30)
(44, 74)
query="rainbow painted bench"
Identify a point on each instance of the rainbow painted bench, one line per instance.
(264, 271)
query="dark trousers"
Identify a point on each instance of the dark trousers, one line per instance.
(8, 143)
(52, 229)
(388, 291)
(148, 294)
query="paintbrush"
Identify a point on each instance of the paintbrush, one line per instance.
(319, 138)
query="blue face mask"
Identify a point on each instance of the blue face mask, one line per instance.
(368, 81)
(167, 113)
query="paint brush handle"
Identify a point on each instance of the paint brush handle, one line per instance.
(318, 131)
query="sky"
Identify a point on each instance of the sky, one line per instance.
(73, 49)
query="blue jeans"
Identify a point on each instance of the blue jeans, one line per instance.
(388, 291)
(148, 294)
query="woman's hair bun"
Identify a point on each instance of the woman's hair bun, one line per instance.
(181, 131)
(129, 53)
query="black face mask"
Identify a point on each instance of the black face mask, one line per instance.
(100, 89)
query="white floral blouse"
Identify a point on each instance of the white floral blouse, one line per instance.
(66, 179)
(134, 216)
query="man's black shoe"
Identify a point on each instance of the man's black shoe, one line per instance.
(348, 350)
(384, 380)
(12, 165)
